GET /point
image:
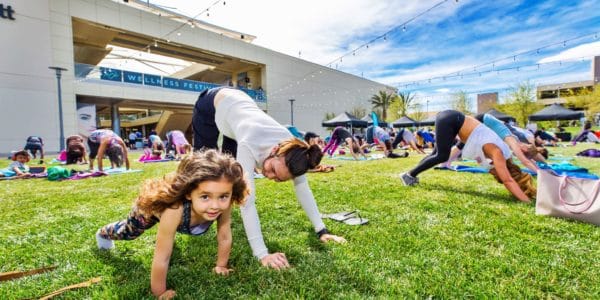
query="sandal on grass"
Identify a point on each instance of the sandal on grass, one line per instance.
(349, 218)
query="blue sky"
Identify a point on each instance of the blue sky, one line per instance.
(469, 45)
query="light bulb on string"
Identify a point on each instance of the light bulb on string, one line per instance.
(179, 34)
(564, 43)
(404, 28)
(385, 38)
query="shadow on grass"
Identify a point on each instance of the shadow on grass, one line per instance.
(468, 191)
(124, 267)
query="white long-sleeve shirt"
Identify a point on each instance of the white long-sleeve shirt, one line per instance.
(256, 133)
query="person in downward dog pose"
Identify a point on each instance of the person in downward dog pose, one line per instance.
(258, 141)
(481, 144)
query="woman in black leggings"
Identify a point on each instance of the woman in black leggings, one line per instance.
(449, 124)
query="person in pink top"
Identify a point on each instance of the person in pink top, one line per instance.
(176, 141)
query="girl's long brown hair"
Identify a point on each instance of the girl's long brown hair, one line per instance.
(170, 192)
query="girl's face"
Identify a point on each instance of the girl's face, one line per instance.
(211, 198)
(21, 158)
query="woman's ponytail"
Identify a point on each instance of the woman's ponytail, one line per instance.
(299, 156)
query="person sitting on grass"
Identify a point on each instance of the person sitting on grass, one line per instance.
(586, 134)
(75, 152)
(201, 191)
(34, 144)
(481, 144)
(103, 141)
(177, 142)
(18, 165)
(258, 141)
(339, 136)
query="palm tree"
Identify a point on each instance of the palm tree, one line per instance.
(405, 103)
(382, 100)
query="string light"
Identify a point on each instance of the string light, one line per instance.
(513, 57)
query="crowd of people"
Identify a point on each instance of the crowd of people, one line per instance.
(209, 183)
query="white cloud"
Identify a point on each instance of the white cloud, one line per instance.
(585, 51)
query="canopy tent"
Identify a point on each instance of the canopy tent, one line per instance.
(427, 122)
(370, 121)
(404, 122)
(555, 112)
(345, 120)
(500, 115)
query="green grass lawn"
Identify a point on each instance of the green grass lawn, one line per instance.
(456, 235)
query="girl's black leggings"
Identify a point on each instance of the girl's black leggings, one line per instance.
(447, 126)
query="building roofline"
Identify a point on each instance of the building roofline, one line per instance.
(156, 9)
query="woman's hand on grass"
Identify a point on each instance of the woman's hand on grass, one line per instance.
(277, 261)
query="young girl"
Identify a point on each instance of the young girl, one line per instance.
(201, 191)
(259, 142)
(340, 136)
(103, 140)
(481, 144)
(20, 158)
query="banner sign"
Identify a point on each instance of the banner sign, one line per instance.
(167, 82)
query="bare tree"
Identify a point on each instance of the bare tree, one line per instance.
(359, 111)
(460, 102)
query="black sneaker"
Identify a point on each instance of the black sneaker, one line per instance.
(408, 180)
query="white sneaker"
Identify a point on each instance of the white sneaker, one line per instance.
(103, 243)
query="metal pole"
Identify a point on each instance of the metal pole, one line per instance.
(292, 111)
(61, 142)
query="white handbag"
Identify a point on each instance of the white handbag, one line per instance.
(568, 197)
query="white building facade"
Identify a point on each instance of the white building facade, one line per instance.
(73, 34)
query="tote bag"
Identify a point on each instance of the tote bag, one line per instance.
(568, 197)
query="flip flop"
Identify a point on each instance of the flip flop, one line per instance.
(348, 218)
(340, 216)
(356, 221)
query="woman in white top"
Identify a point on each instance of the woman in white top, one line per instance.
(481, 144)
(258, 141)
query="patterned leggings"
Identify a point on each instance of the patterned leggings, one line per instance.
(130, 228)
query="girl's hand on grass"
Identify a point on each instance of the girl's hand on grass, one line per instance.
(277, 261)
(222, 270)
(168, 294)
(330, 237)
